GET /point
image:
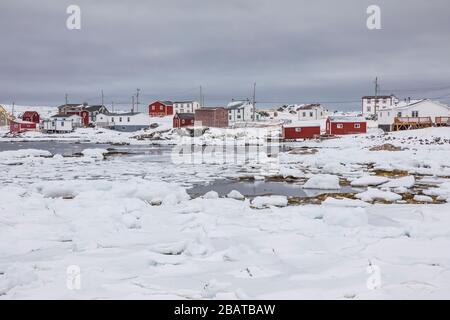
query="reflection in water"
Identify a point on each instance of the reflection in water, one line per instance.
(261, 188)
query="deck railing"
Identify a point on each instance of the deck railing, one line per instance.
(413, 120)
(442, 120)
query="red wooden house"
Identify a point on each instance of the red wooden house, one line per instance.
(183, 120)
(346, 125)
(17, 126)
(300, 130)
(160, 109)
(31, 116)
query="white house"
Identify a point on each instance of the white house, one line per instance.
(241, 111)
(185, 106)
(372, 104)
(311, 112)
(59, 124)
(77, 121)
(127, 122)
(415, 111)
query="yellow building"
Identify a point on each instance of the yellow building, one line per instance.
(4, 116)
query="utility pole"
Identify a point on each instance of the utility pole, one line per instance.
(201, 97)
(137, 99)
(112, 106)
(102, 97)
(254, 101)
(132, 103)
(377, 88)
(67, 99)
(12, 109)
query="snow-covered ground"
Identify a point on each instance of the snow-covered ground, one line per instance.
(129, 226)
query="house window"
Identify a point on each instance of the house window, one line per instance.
(304, 114)
(399, 114)
(368, 100)
(357, 125)
(161, 108)
(238, 116)
(415, 114)
(298, 129)
(128, 119)
(112, 119)
(339, 126)
(311, 114)
(62, 123)
(120, 119)
(369, 109)
(230, 117)
(182, 121)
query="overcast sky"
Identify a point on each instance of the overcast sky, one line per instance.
(296, 51)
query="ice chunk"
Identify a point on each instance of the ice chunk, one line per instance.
(261, 202)
(406, 182)
(234, 194)
(323, 181)
(369, 181)
(373, 194)
(211, 195)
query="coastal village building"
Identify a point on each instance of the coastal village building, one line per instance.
(211, 117)
(126, 122)
(76, 109)
(311, 112)
(31, 116)
(185, 106)
(415, 115)
(340, 125)
(18, 126)
(59, 124)
(300, 130)
(160, 109)
(183, 120)
(4, 116)
(372, 104)
(241, 111)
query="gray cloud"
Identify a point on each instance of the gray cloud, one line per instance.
(297, 51)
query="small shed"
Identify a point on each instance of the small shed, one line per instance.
(300, 130)
(31, 116)
(183, 120)
(340, 125)
(17, 126)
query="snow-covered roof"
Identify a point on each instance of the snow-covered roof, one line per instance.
(346, 119)
(405, 105)
(297, 124)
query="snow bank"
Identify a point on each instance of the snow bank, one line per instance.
(345, 203)
(151, 191)
(346, 217)
(323, 181)
(266, 201)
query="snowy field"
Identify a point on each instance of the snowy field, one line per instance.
(127, 220)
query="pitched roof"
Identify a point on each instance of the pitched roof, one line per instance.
(124, 114)
(379, 97)
(186, 116)
(95, 108)
(29, 113)
(64, 116)
(346, 119)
